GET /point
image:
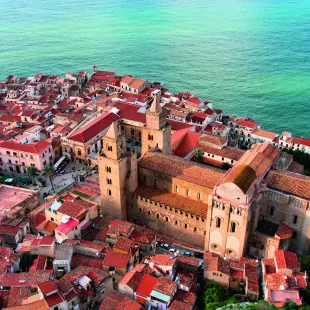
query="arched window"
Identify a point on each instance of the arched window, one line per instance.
(185, 225)
(271, 210)
(157, 215)
(232, 227)
(218, 222)
(108, 169)
(167, 219)
(149, 212)
(187, 192)
(195, 229)
(109, 181)
(176, 189)
(109, 192)
(198, 196)
(140, 209)
(176, 222)
(295, 218)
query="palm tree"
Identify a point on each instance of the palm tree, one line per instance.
(198, 155)
(50, 173)
(32, 173)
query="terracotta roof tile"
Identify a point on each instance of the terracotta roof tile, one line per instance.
(217, 264)
(286, 259)
(90, 130)
(37, 305)
(289, 182)
(114, 259)
(165, 286)
(71, 208)
(179, 168)
(173, 200)
(284, 231)
(162, 260)
(33, 148)
(17, 295)
(123, 244)
(117, 301)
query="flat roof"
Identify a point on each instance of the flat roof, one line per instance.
(11, 196)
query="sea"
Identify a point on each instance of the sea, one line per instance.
(247, 57)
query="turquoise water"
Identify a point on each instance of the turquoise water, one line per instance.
(248, 57)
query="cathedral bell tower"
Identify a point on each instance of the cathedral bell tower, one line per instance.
(156, 135)
(112, 166)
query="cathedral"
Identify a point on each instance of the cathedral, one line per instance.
(256, 208)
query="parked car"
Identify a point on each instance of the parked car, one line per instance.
(166, 246)
(187, 253)
(172, 250)
(198, 255)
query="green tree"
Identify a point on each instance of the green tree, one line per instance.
(226, 166)
(50, 173)
(32, 173)
(213, 293)
(198, 155)
(305, 263)
(61, 199)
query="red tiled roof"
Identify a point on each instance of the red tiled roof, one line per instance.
(33, 148)
(53, 300)
(146, 285)
(303, 141)
(193, 261)
(123, 244)
(175, 125)
(178, 305)
(9, 230)
(93, 128)
(284, 231)
(130, 112)
(286, 259)
(194, 101)
(87, 261)
(37, 305)
(181, 169)
(71, 208)
(218, 264)
(24, 279)
(165, 286)
(47, 287)
(264, 133)
(289, 182)
(172, 200)
(142, 234)
(163, 260)
(246, 122)
(117, 301)
(17, 295)
(47, 240)
(115, 259)
(67, 227)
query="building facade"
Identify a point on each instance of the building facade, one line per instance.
(256, 207)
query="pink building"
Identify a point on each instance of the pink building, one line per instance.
(17, 157)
